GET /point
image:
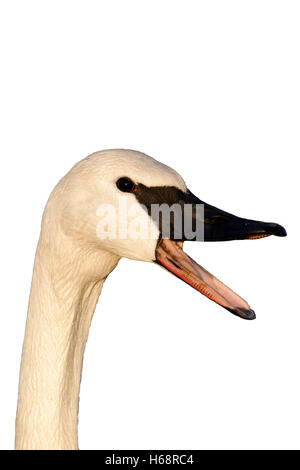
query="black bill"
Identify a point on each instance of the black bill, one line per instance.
(217, 225)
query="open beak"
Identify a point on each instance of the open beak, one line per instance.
(218, 226)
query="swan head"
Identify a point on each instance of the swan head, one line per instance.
(131, 205)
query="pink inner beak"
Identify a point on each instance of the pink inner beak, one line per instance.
(171, 256)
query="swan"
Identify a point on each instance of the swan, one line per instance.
(76, 252)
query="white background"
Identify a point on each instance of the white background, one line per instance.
(212, 89)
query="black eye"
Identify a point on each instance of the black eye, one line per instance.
(125, 184)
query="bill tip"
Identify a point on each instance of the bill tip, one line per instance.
(249, 314)
(277, 230)
(246, 314)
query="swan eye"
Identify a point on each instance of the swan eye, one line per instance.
(126, 185)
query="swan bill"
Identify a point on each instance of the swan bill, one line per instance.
(195, 220)
(215, 225)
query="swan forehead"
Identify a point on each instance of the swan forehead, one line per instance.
(110, 165)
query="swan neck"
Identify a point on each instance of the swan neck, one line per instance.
(65, 288)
